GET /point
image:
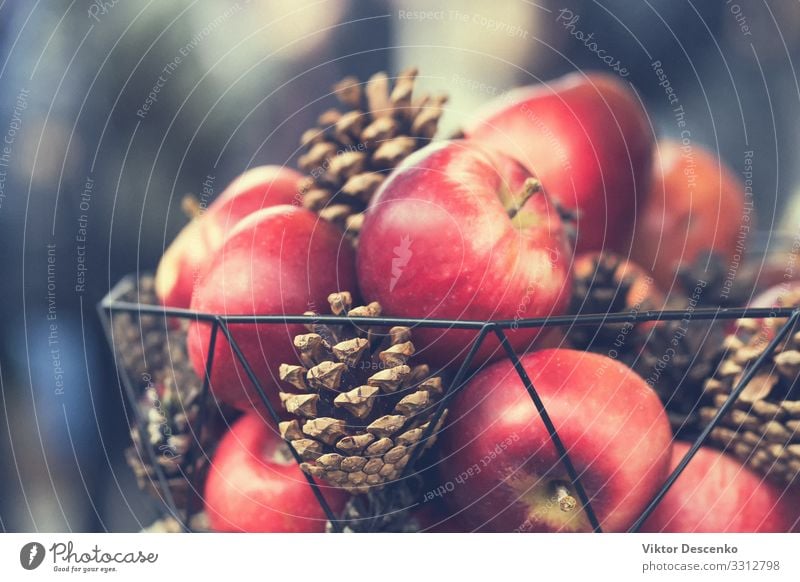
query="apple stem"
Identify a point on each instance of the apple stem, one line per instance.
(191, 206)
(565, 500)
(517, 201)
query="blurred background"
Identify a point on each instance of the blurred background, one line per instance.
(86, 155)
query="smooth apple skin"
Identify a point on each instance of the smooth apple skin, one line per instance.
(679, 221)
(716, 494)
(587, 137)
(190, 252)
(282, 260)
(611, 422)
(254, 485)
(438, 243)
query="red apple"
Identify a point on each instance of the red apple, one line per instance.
(588, 139)
(282, 260)
(185, 258)
(457, 232)
(501, 471)
(716, 494)
(255, 485)
(696, 204)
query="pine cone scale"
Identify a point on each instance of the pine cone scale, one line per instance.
(763, 427)
(360, 408)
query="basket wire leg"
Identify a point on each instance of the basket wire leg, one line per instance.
(454, 387)
(141, 424)
(551, 429)
(450, 391)
(748, 375)
(197, 431)
(335, 522)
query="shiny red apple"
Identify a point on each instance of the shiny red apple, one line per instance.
(501, 472)
(457, 232)
(716, 494)
(190, 252)
(255, 485)
(588, 139)
(696, 204)
(282, 260)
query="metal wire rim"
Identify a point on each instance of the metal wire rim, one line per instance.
(112, 304)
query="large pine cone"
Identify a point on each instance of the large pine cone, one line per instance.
(361, 408)
(349, 153)
(153, 352)
(763, 427)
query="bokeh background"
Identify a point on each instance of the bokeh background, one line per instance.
(253, 74)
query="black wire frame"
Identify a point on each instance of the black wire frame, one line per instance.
(112, 304)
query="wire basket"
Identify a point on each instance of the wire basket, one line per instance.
(114, 304)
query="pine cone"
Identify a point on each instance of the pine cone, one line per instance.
(139, 337)
(676, 358)
(607, 283)
(382, 509)
(350, 153)
(360, 408)
(724, 285)
(763, 427)
(154, 354)
(171, 413)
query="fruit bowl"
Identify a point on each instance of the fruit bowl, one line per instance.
(122, 310)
